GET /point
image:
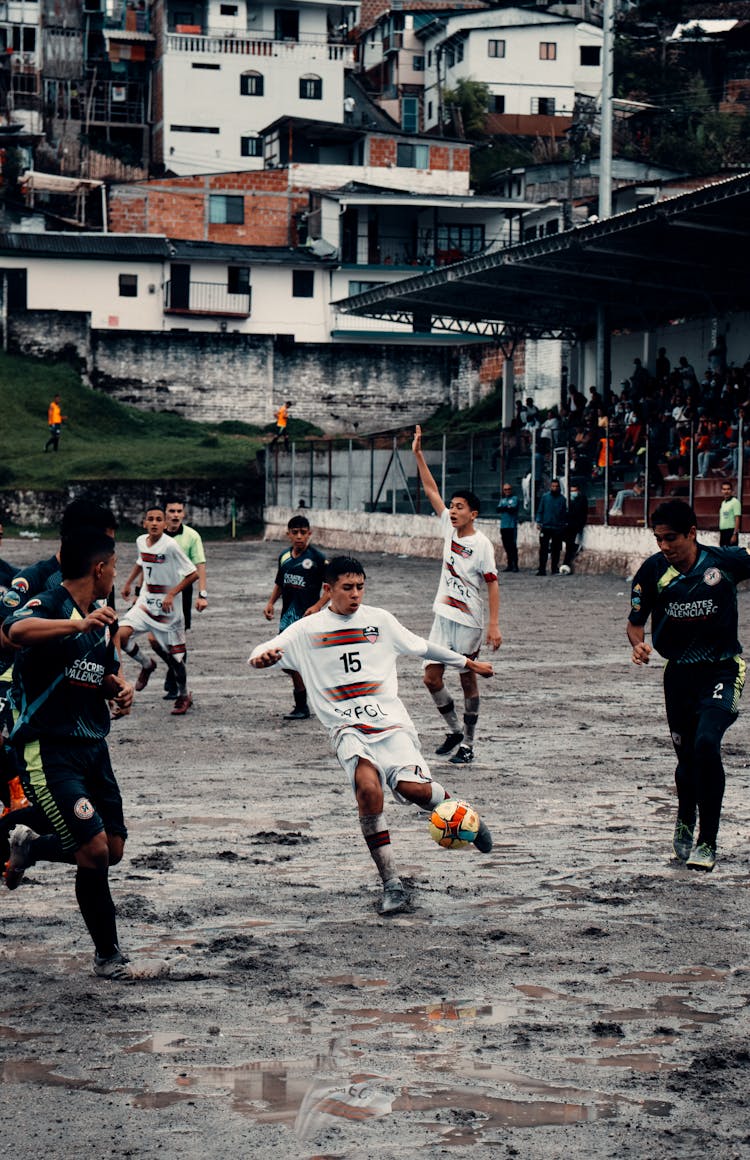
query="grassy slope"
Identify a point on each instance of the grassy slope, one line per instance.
(103, 439)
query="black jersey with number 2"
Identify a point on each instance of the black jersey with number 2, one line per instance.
(693, 614)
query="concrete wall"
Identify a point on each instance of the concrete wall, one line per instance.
(619, 551)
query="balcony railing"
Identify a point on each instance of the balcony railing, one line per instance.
(206, 298)
(255, 46)
(390, 251)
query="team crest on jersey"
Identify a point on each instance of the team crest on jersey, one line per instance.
(307, 563)
(460, 550)
(83, 809)
(371, 633)
(712, 576)
(12, 598)
(21, 584)
(33, 604)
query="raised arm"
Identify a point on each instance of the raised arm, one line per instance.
(431, 489)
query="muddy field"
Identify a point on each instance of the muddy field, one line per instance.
(575, 993)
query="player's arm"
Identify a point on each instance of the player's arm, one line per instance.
(27, 629)
(407, 643)
(637, 637)
(275, 594)
(494, 636)
(168, 601)
(269, 652)
(135, 572)
(431, 489)
(201, 601)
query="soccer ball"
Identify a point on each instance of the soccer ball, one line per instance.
(453, 824)
(565, 569)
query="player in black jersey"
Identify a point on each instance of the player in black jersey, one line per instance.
(299, 579)
(690, 592)
(67, 671)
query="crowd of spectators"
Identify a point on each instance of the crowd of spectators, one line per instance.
(682, 415)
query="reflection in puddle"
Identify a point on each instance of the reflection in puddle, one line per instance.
(438, 1016)
(647, 1064)
(686, 975)
(352, 981)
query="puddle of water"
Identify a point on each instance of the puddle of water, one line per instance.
(16, 1036)
(686, 975)
(535, 992)
(665, 1005)
(647, 1064)
(352, 981)
(438, 1016)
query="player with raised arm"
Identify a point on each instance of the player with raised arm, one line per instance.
(690, 592)
(468, 565)
(158, 608)
(347, 655)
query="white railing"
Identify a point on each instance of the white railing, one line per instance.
(341, 321)
(256, 46)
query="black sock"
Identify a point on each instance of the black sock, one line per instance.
(98, 909)
(49, 848)
(300, 698)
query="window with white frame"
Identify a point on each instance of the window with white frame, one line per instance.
(409, 114)
(226, 209)
(251, 84)
(311, 88)
(547, 50)
(545, 106)
(412, 156)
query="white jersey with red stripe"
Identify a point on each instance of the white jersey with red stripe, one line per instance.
(164, 565)
(468, 565)
(348, 664)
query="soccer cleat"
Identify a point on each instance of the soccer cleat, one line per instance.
(395, 898)
(464, 755)
(182, 704)
(682, 842)
(451, 741)
(703, 857)
(19, 857)
(143, 676)
(171, 695)
(120, 969)
(483, 840)
(297, 714)
(18, 799)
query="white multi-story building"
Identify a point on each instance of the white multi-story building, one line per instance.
(225, 70)
(533, 63)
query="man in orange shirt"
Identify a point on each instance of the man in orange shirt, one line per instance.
(282, 418)
(55, 420)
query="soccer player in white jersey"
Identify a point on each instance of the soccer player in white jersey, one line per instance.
(166, 572)
(346, 655)
(468, 565)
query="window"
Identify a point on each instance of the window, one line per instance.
(429, 110)
(429, 59)
(128, 285)
(590, 55)
(363, 287)
(460, 51)
(310, 88)
(303, 283)
(548, 50)
(409, 114)
(413, 156)
(24, 38)
(228, 9)
(226, 209)
(198, 64)
(456, 241)
(251, 84)
(529, 233)
(417, 63)
(194, 128)
(552, 227)
(251, 146)
(498, 103)
(496, 48)
(545, 106)
(238, 280)
(450, 58)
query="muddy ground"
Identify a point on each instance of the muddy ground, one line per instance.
(575, 993)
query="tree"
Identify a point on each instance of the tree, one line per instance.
(471, 99)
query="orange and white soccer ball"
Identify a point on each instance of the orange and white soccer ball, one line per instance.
(453, 824)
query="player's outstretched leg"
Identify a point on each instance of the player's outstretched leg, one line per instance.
(369, 794)
(433, 679)
(429, 794)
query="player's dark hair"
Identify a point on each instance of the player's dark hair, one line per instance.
(82, 549)
(676, 514)
(173, 498)
(342, 566)
(298, 522)
(471, 499)
(84, 513)
(156, 506)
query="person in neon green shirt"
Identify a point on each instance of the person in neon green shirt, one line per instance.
(730, 514)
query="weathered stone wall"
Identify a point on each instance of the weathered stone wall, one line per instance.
(214, 377)
(209, 504)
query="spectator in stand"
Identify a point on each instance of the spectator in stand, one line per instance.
(663, 366)
(634, 492)
(639, 379)
(686, 374)
(710, 447)
(550, 427)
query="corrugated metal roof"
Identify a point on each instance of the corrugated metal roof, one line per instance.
(149, 246)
